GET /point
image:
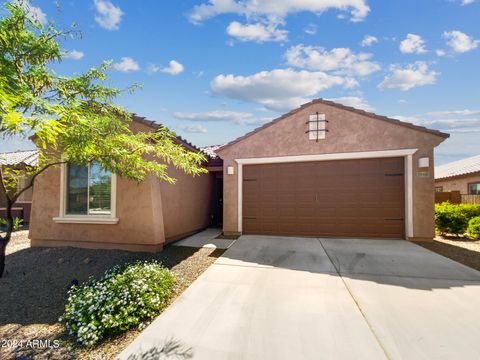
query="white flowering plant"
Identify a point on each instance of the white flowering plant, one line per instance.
(124, 297)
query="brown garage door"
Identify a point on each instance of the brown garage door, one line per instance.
(351, 198)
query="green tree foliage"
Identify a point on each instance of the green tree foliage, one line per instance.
(72, 118)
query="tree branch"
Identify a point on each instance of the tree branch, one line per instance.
(34, 176)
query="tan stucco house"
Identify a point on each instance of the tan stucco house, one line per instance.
(323, 169)
(462, 176)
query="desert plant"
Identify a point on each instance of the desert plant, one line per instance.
(473, 229)
(125, 297)
(449, 219)
(17, 223)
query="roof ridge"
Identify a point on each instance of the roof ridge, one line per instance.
(341, 106)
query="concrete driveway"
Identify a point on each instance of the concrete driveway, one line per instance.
(277, 298)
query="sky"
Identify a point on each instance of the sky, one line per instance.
(212, 70)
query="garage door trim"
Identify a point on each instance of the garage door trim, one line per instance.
(407, 153)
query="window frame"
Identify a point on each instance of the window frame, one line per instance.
(320, 126)
(63, 217)
(469, 187)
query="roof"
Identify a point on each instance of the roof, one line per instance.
(211, 151)
(158, 126)
(457, 168)
(28, 157)
(343, 107)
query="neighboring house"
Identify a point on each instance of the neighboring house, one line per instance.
(19, 160)
(323, 169)
(462, 175)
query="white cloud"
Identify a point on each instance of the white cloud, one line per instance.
(311, 29)
(355, 102)
(152, 68)
(342, 61)
(239, 118)
(440, 52)
(408, 77)
(460, 121)
(368, 40)
(256, 32)
(108, 15)
(279, 89)
(34, 13)
(454, 113)
(195, 128)
(358, 9)
(173, 68)
(413, 44)
(467, 2)
(126, 65)
(460, 42)
(264, 17)
(74, 55)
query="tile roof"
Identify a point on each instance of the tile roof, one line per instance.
(458, 168)
(343, 107)
(28, 157)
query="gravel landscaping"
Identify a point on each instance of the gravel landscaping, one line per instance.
(460, 249)
(34, 288)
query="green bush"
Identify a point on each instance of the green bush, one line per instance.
(123, 298)
(17, 223)
(470, 210)
(473, 229)
(449, 219)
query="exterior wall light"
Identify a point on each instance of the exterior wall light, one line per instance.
(230, 170)
(424, 162)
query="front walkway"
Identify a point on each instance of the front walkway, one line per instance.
(305, 298)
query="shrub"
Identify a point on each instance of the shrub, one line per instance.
(470, 210)
(449, 219)
(122, 299)
(17, 223)
(473, 229)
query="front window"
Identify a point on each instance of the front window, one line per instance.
(474, 188)
(88, 190)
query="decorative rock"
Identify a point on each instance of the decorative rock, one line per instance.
(87, 260)
(60, 261)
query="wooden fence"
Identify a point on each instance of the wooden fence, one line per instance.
(470, 199)
(455, 197)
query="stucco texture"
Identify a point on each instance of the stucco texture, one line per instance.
(458, 183)
(348, 131)
(151, 213)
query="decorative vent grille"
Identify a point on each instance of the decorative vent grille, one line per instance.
(317, 126)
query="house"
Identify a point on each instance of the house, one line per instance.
(323, 169)
(19, 160)
(462, 176)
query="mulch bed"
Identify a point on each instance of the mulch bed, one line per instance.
(33, 292)
(460, 249)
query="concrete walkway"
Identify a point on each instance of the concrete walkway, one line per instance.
(305, 298)
(206, 238)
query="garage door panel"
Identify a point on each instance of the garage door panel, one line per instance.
(327, 198)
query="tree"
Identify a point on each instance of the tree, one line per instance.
(70, 119)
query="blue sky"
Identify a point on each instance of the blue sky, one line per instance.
(214, 69)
